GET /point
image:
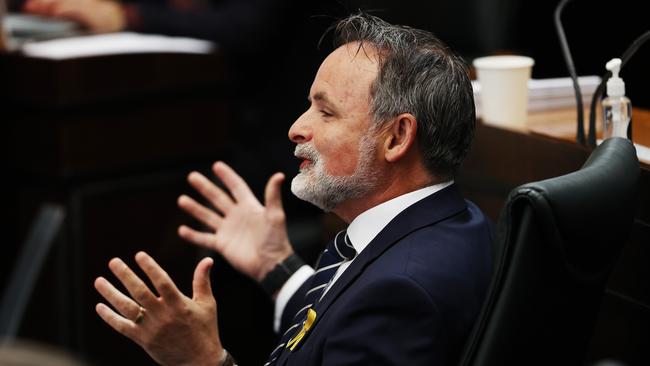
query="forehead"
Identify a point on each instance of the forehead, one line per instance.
(347, 74)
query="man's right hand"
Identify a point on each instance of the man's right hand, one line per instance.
(251, 236)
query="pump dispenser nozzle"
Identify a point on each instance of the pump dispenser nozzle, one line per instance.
(617, 109)
(615, 85)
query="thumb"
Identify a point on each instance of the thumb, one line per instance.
(273, 193)
(201, 282)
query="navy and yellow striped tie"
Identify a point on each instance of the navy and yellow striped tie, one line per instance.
(337, 252)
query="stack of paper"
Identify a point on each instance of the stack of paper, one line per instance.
(115, 43)
(554, 93)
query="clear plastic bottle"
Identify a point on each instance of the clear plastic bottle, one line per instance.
(617, 108)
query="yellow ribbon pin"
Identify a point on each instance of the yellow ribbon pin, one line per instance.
(311, 316)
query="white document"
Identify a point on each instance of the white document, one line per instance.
(553, 93)
(643, 153)
(115, 44)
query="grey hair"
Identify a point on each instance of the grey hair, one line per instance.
(420, 75)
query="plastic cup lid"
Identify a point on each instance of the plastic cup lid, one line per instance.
(503, 62)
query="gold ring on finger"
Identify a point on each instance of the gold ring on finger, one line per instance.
(140, 317)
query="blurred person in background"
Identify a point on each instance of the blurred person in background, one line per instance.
(229, 22)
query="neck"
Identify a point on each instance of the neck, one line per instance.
(394, 184)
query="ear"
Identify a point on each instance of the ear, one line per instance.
(399, 137)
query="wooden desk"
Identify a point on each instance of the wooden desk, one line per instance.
(501, 160)
(561, 124)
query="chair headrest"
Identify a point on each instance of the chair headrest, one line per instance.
(591, 208)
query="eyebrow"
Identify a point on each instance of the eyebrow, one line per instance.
(321, 97)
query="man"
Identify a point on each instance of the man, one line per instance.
(390, 121)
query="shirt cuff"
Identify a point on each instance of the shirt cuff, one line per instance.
(288, 289)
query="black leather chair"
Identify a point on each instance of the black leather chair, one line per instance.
(556, 243)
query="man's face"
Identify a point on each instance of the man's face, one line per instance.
(334, 136)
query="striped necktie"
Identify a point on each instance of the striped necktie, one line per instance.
(337, 252)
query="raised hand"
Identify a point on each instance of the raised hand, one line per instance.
(171, 327)
(251, 236)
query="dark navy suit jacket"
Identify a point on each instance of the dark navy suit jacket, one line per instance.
(410, 298)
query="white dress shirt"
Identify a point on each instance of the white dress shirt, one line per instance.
(361, 231)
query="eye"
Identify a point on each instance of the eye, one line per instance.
(325, 113)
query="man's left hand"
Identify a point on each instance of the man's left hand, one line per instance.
(171, 327)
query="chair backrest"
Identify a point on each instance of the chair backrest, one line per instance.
(557, 241)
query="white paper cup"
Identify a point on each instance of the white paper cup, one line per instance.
(504, 89)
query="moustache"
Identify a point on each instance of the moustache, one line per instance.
(307, 151)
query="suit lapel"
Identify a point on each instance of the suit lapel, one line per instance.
(437, 207)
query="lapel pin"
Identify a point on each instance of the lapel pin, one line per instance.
(306, 325)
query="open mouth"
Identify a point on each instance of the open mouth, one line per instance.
(305, 164)
(307, 154)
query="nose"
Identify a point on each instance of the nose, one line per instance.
(300, 132)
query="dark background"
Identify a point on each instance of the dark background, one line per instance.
(113, 138)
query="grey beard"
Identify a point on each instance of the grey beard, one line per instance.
(325, 191)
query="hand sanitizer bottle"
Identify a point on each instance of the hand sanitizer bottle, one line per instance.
(617, 109)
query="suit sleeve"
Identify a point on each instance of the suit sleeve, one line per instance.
(390, 322)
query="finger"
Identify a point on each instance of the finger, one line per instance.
(199, 212)
(217, 197)
(136, 287)
(124, 304)
(32, 6)
(273, 192)
(160, 279)
(124, 326)
(68, 11)
(201, 282)
(199, 238)
(37, 6)
(63, 8)
(50, 6)
(235, 184)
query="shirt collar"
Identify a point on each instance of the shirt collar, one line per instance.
(368, 224)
